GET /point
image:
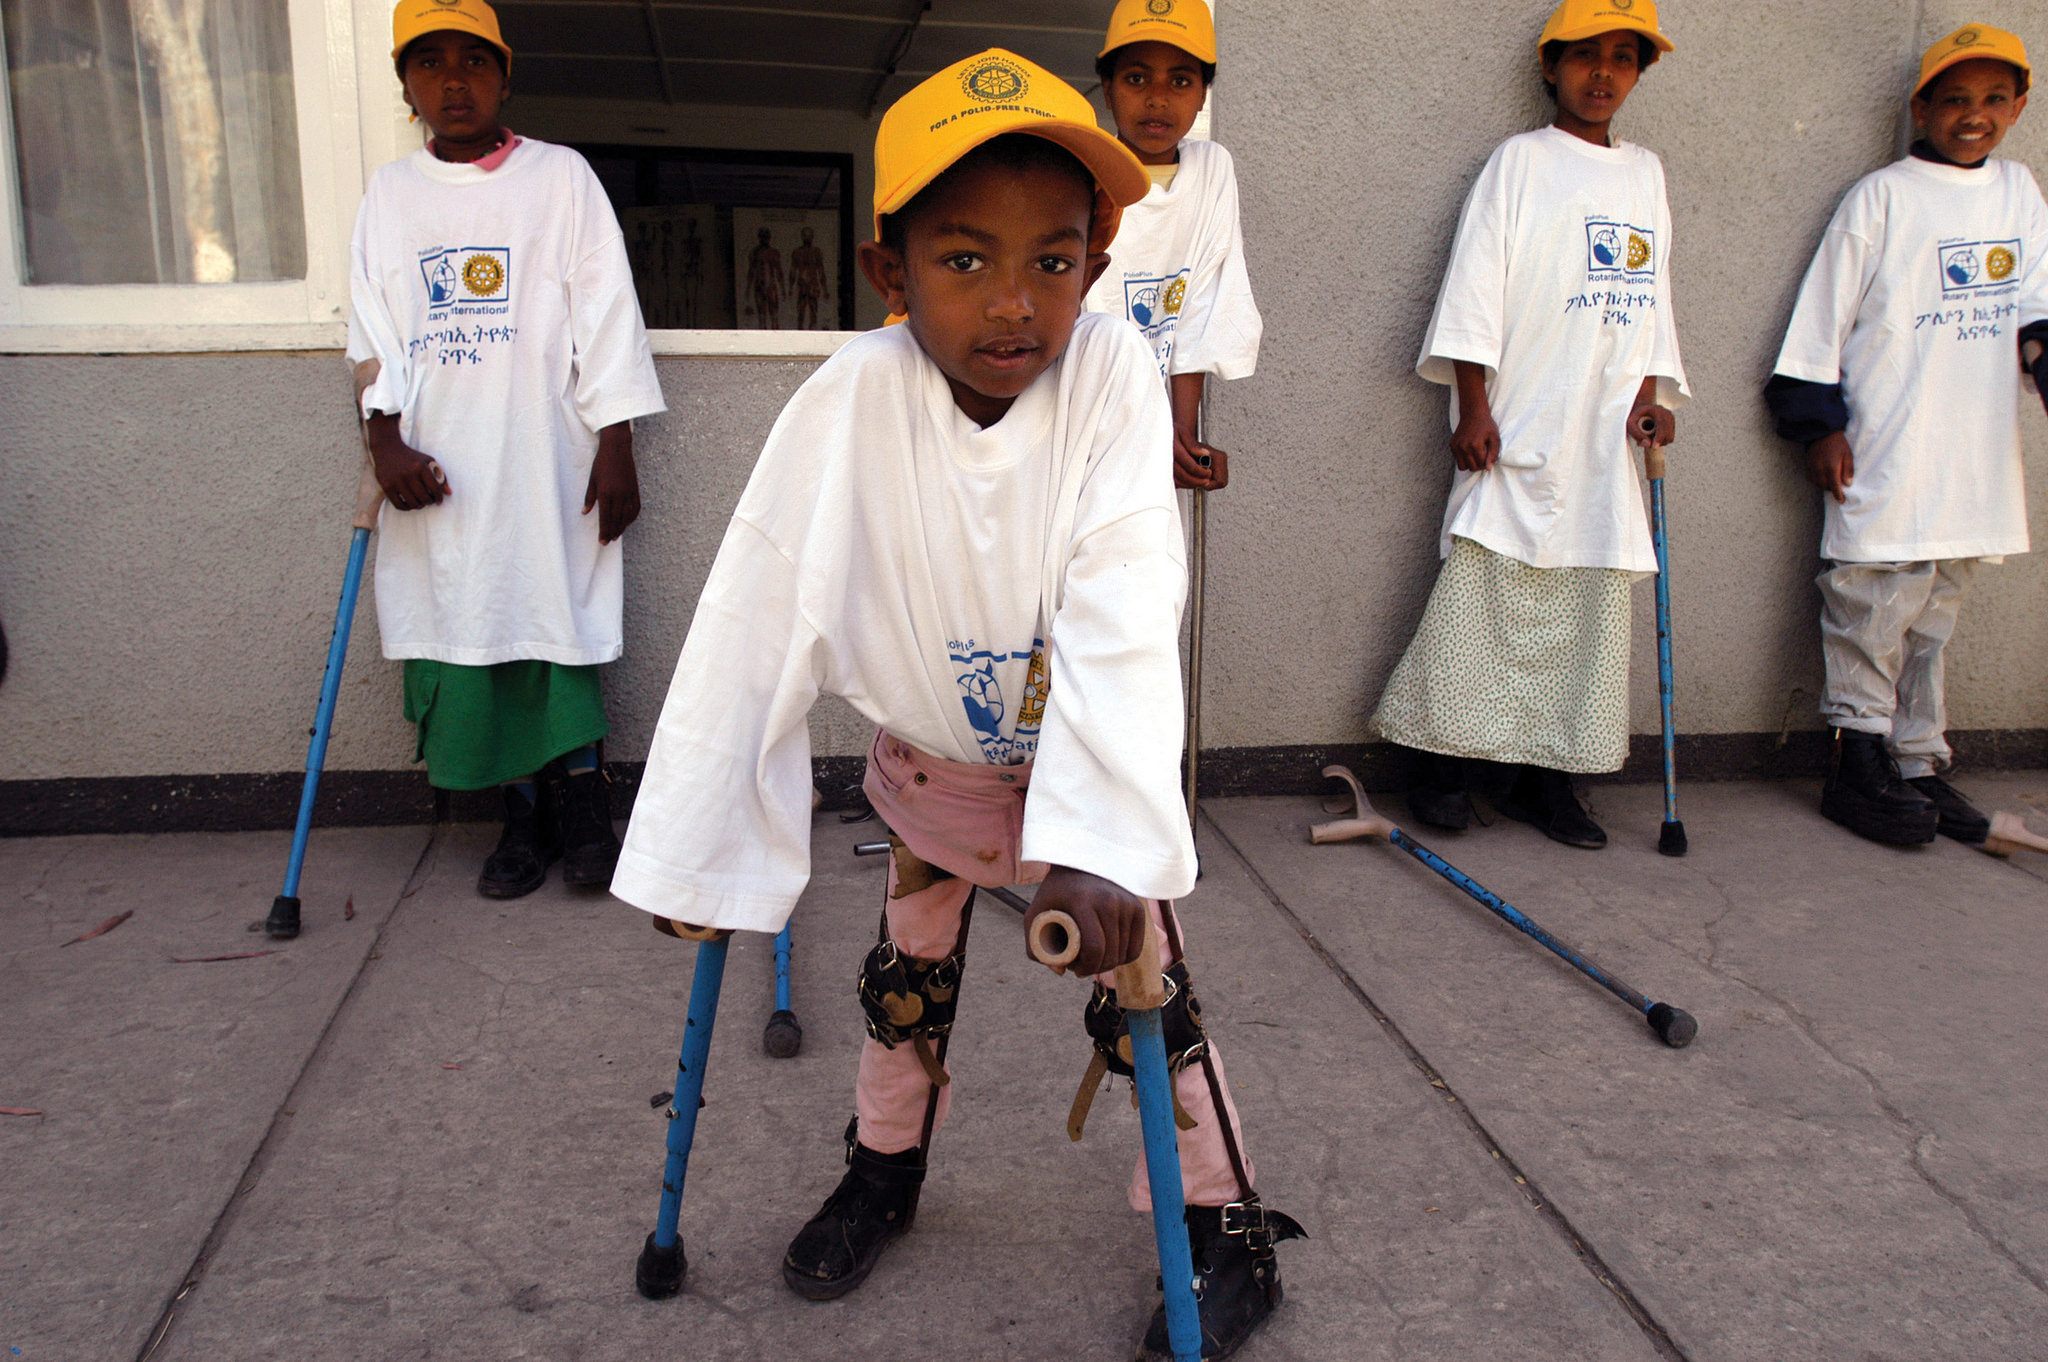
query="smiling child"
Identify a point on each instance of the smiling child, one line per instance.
(1899, 375)
(964, 525)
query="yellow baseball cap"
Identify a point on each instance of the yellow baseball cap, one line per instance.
(1576, 19)
(416, 18)
(1969, 43)
(977, 100)
(1185, 24)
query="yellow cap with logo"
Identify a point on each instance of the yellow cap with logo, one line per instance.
(1577, 19)
(977, 100)
(1185, 24)
(416, 18)
(1969, 43)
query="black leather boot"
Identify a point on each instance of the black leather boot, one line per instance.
(873, 1204)
(583, 813)
(1436, 791)
(1955, 816)
(1545, 799)
(525, 850)
(1865, 794)
(1237, 1276)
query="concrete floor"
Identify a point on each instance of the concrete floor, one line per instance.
(426, 1130)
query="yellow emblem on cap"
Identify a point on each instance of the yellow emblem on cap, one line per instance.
(995, 81)
(482, 275)
(1999, 264)
(1161, 8)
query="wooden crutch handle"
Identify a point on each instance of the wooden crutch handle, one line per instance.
(1056, 939)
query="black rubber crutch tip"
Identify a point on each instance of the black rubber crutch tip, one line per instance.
(659, 1273)
(283, 922)
(1671, 841)
(783, 1037)
(1674, 1026)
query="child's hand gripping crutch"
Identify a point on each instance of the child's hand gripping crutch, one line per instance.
(1054, 940)
(283, 922)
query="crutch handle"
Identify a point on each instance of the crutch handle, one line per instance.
(1653, 462)
(687, 931)
(1056, 940)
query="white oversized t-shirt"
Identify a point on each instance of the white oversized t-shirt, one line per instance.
(1559, 283)
(990, 595)
(1176, 270)
(1914, 303)
(501, 308)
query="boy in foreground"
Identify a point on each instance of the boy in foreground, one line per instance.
(490, 286)
(964, 525)
(1176, 268)
(1900, 374)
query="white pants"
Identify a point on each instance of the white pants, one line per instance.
(1883, 627)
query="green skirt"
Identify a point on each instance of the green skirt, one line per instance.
(484, 726)
(1513, 663)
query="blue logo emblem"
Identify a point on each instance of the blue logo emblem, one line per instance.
(1975, 266)
(467, 274)
(1620, 248)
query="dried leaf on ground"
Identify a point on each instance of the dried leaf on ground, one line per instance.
(210, 959)
(21, 1111)
(101, 930)
(348, 910)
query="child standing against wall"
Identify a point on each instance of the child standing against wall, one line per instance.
(1176, 269)
(965, 526)
(1900, 375)
(1554, 331)
(490, 286)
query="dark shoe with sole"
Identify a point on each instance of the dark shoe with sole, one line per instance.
(1955, 816)
(1866, 794)
(525, 850)
(583, 813)
(1436, 791)
(1545, 800)
(1237, 1276)
(874, 1203)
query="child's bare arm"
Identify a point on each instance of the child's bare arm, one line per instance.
(1201, 467)
(1475, 444)
(409, 478)
(1648, 423)
(614, 489)
(1108, 918)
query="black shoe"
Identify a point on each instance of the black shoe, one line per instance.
(1544, 799)
(1866, 794)
(1237, 1276)
(837, 1248)
(1955, 816)
(525, 849)
(1436, 791)
(583, 814)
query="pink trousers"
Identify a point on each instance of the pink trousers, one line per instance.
(969, 820)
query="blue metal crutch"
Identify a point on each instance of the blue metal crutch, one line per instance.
(1671, 840)
(283, 922)
(1674, 1026)
(783, 1037)
(1141, 992)
(659, 1273)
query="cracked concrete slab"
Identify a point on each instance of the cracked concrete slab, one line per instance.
(1850, 1161)
(476, 1158)
(156, 1079)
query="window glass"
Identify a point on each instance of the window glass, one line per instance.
(156, 141)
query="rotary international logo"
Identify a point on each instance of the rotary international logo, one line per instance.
(1968, 38)
(2000, 263)
(1159, 9)
(1638, 252)
(994, 81)
(1624, 5)
(1176, 294)
(483, 275)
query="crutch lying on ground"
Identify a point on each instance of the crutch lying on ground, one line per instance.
(1141, 992)
(2009, 833)
(283, 922)
(1674, 1027)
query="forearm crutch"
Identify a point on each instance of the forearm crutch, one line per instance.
(783, 1037)
(1198, 556)
(283, 922)
(659, 1273)
(1674, 1026)
(1141, 992)
(1671, 840)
